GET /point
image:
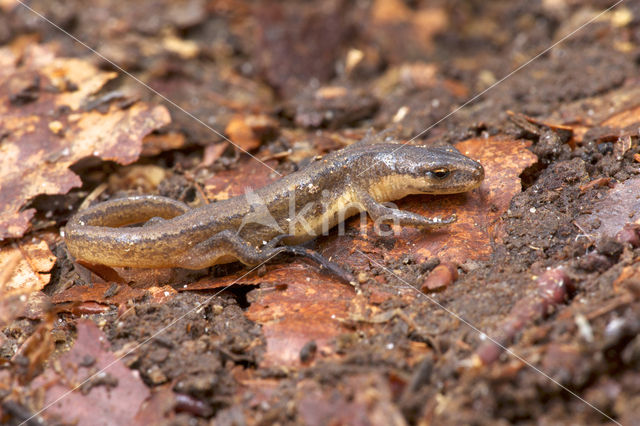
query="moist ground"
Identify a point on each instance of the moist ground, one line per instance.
(212, 358)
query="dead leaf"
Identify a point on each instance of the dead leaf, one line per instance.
(306, 307)
(247, 131)
(112, 293)
(186, 49)
(372, 398)
(106, 293)
(418, 75)
(158, 407)
(46, 129)
(32, 272)
(294, 306)
(36, 349)
(624, 118)
(25, 268)
(608, 215)
(617, 109)
(212, 153)
(227, 183)
(241, 134)
(391, 11)
(535, 126)
(155, 144)
(113, 396)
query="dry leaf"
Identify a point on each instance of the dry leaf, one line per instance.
(106, 293)
(248, 174)
(608, 215)
(302, 307)
(154, 144)
(24, 270)
(247, 131)
(46, 129)
(113, 396)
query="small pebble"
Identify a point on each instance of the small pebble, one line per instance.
(441, 276)
(188, 404)
(630, 234)
(156, 376)
(308, 351)
(488, 352)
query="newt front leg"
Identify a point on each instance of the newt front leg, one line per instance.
(382, 214)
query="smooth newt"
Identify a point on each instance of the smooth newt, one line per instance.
(249, 228)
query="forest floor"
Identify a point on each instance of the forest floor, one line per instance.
(526, 310)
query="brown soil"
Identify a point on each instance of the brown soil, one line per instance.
(403, 360)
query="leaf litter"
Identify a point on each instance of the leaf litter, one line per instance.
(315, 349)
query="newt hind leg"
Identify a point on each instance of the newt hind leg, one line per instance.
(227, 245)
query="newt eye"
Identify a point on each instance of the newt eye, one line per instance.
(440, 173)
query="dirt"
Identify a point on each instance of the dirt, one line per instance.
(213, 354)
(199, 353)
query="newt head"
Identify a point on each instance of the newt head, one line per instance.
(426, 170)
(444, 170)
